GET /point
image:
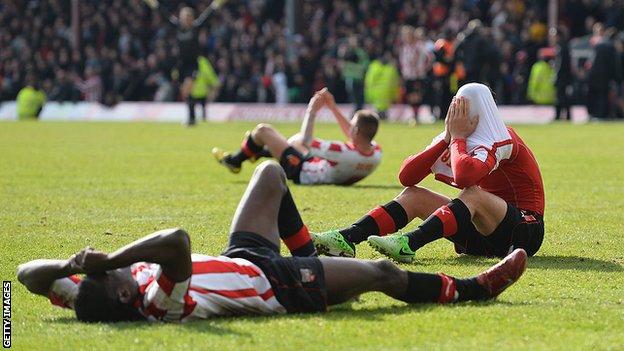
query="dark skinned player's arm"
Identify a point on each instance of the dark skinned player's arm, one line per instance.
(416, 167)
(467, 170)
(38, 275)
(170, 248)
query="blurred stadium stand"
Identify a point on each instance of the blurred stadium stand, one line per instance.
(111, 51)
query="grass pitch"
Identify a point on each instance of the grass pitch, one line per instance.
(67, 185)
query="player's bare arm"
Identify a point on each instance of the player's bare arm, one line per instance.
(343, 122)
(38, 275)
(171, 248)
(307, 127)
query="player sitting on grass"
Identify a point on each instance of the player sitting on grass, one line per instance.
(307, 160)
(500, 207)
(157, 277)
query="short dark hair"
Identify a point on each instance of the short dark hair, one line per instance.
(367, 123)
(94, 305)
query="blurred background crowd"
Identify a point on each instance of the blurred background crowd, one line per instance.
(379, 52)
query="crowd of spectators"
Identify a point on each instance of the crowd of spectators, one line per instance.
(128, 52)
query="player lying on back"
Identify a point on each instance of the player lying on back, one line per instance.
(500, 206)
(157, 277)
(308, 160)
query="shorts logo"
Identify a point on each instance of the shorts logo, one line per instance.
(307, 276)
(528, 218)
(293, 160)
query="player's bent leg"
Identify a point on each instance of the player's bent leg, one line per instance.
(473, 208)
(267, 136)
(296, 141)
(346, 278)
(263, 141)
(501, 226)
(268, 209)
(412, 202)
(420, 202)
(487, 210)
(258, 210)
(450, 221)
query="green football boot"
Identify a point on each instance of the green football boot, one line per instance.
(394, 246)
(332, 243)
(222, 157)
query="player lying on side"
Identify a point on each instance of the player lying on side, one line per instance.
(500, 206)
(157, 277)
(308, 160)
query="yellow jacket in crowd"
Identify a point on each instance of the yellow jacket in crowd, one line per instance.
(381, 85)
(30, 101)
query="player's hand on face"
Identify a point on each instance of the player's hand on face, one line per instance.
(91, 260)
(449, 113)
(458, 124)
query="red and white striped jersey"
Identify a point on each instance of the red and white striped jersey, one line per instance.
(218, 286)
(414, 59)
(336, 162)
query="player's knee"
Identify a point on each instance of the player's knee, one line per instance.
(263, 128)
(471, 193)
(271, 172)
(387, 271)
(295, 139)
(412, 193)
(471, 197)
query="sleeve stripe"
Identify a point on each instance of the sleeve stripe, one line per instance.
(57, 300)
(152, 310)
(165, 284)
(189, 306)
(74, 278)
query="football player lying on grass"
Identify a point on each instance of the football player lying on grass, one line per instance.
(500, 207)
(157, 277)
(308, 160)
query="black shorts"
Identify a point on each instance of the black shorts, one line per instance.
(298, 282)
(519, 229)
(292, 162)
(187, 69)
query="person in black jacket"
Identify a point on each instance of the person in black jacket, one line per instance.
(470, 52)
(604, 70)
(563, 74)
(188, 46)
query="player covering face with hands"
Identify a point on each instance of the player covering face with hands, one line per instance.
(500, 206)
(157, 278)
(310, 160)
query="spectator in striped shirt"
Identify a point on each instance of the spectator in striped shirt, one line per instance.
(308, 160)
(415, 61)
(156, 278)
(91, 87)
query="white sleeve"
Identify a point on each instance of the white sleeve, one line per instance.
(165, 299)
(63, 291)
